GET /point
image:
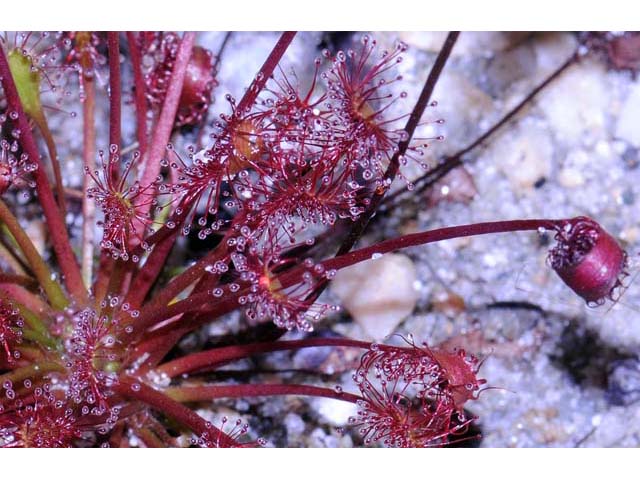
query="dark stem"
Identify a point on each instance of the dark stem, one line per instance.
(361, 223)
(223, 45)
(455, 160)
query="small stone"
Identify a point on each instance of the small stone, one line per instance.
(335, 413)
(468, 44)
(294, 424)
(464, 111)
(379, 294)
(524, 157)
(624, 382)
(319, 439)
(571, 177)
(552, 49)
(456, 186)
(505, 69)
(38, 234)
(575, 104)
(447, 302)
(310, 358)
(630, 235)
(631, 158)
(629, 118)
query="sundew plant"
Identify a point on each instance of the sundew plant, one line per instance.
(172, 209)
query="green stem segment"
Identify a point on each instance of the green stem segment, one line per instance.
(210, 392)
(30, 372)
(41, 121)
(40, 269)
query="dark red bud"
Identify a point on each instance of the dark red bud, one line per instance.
(588, 260)
(199, 81)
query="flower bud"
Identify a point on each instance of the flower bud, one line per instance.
(588, 260)
(199, 81)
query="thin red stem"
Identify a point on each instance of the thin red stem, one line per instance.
(148, 274)
(156, 346)
(41, 122)
(62, 246)
(436, 235)
(216, 307)
(137, 390)
(166, 121)
(220, 356)
(455, 160)
(140, 92)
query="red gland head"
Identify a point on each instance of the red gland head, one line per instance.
(588, 260)
(199, 81)
(6, 177)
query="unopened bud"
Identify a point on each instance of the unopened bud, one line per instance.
(199, 81)
(588, 260)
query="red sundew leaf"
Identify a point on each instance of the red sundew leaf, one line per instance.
(413, 397)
